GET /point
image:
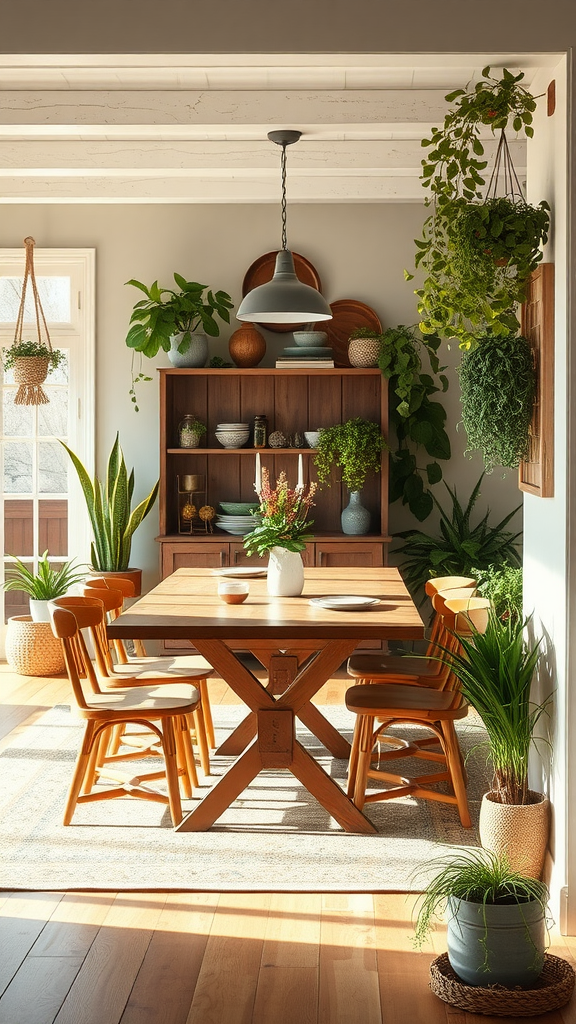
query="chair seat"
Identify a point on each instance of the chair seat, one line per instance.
(370, 666)
(149, 701)
(380, 699)
(190, 666)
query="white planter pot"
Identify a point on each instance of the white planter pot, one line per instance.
(39, 611)
(520, 830)
(285, 573)
(195, 355)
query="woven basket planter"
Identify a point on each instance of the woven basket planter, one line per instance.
(520, 830)
(552, 990)
(30, 372)
(32, 649)
(363, 351)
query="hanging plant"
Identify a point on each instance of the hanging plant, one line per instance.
(355, 447)
(498, 385)
(468, 288)
(31, 360)
(418, 422)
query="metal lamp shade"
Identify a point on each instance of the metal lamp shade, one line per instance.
(284, 299)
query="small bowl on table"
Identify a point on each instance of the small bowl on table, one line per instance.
(233, 591)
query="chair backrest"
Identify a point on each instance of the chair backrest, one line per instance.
(440, 636)
(69, 616)
(438, 583)
(126, 589)
(112, 583)
(461, 615)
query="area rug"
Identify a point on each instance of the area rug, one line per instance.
(274, 837)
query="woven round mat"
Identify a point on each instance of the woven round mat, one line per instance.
(553, 989)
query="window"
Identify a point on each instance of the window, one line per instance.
(43, 504)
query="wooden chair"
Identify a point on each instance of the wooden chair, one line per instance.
(141, 671)
(188, 665)
(380, 706)
(411, 670)
(165, 713)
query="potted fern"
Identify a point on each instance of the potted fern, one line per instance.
(113, 523)
(496, 918)
(355, 447)
(495, 670)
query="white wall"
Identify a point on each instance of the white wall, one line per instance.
(359, 251)
(546, 539)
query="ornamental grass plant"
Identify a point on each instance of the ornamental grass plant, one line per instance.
(282, 516)
(46, 584)
(495, 670)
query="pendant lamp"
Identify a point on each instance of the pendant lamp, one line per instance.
(284, 299)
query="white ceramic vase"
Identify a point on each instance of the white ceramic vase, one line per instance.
(39, 610)
(285, 573)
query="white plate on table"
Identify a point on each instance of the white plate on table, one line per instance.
(241, 572)
(345, 602)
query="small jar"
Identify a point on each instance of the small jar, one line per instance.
(260, 431)
(187, 433)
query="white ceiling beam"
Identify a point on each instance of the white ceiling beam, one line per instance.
(184, 156)
(289, 108)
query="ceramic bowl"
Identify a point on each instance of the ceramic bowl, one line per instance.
(232, 438)
(233, 591)
(315, 339)
(238, 508)
(312, 437)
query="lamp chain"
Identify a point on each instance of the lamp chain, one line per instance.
(283, 167)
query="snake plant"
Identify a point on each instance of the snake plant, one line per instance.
(108, 505)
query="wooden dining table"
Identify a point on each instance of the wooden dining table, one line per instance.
(300, 643)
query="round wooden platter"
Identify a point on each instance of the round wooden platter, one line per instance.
(262, 271)
(349, 314)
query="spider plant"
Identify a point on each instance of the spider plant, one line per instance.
(481, 877)
(495, 670)
(461, 547)
(47, 583)
(108, 505)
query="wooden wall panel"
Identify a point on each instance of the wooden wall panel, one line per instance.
(536, 473)
(53, 527)
(18, 528)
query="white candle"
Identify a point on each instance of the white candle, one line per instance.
(258, 480)
(300, 484)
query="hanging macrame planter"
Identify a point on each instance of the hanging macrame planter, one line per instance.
(31, 370)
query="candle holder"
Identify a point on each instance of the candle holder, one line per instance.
(192, 502)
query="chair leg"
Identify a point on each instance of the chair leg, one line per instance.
(189, 751)
(96, 759)
(205, 696)
(169, 748)
(353, 761)
(182, 759)
(454, 761)
(80, 771)
(201, 740)
(364, 758)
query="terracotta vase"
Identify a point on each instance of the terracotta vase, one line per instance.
(247, 346)
(520, 830)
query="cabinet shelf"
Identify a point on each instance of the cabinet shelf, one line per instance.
(240, 451)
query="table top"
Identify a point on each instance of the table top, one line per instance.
(186, 606)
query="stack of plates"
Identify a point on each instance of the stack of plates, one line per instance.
(238, 525)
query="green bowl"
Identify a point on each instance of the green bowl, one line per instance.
(238, 508)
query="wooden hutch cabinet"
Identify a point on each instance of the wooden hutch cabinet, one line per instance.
(293, 400)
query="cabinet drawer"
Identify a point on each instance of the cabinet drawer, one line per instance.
(193, 555)
(337, 555)
(239, 556)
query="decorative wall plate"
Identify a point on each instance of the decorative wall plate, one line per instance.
(262, 271)
(349, 314)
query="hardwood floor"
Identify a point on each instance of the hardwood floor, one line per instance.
(208, 958)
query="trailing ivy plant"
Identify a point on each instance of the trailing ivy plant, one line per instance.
(465, 290)
(418, 422)
(461, 547)
(355, 447)
(498, 385)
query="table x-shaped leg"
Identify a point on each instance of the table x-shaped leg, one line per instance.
(275, 745)
(308, 714)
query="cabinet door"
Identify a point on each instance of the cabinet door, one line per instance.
(194, 555)
(367, 553)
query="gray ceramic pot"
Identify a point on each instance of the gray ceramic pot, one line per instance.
(513, 934)
(196, 354)
(355, 518)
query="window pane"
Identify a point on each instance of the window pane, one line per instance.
(53, 418)
(60, 374)
(53, 527)
(18, 467)
(54, 295)
(18, 420)
(52, 468)
(18, 528)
